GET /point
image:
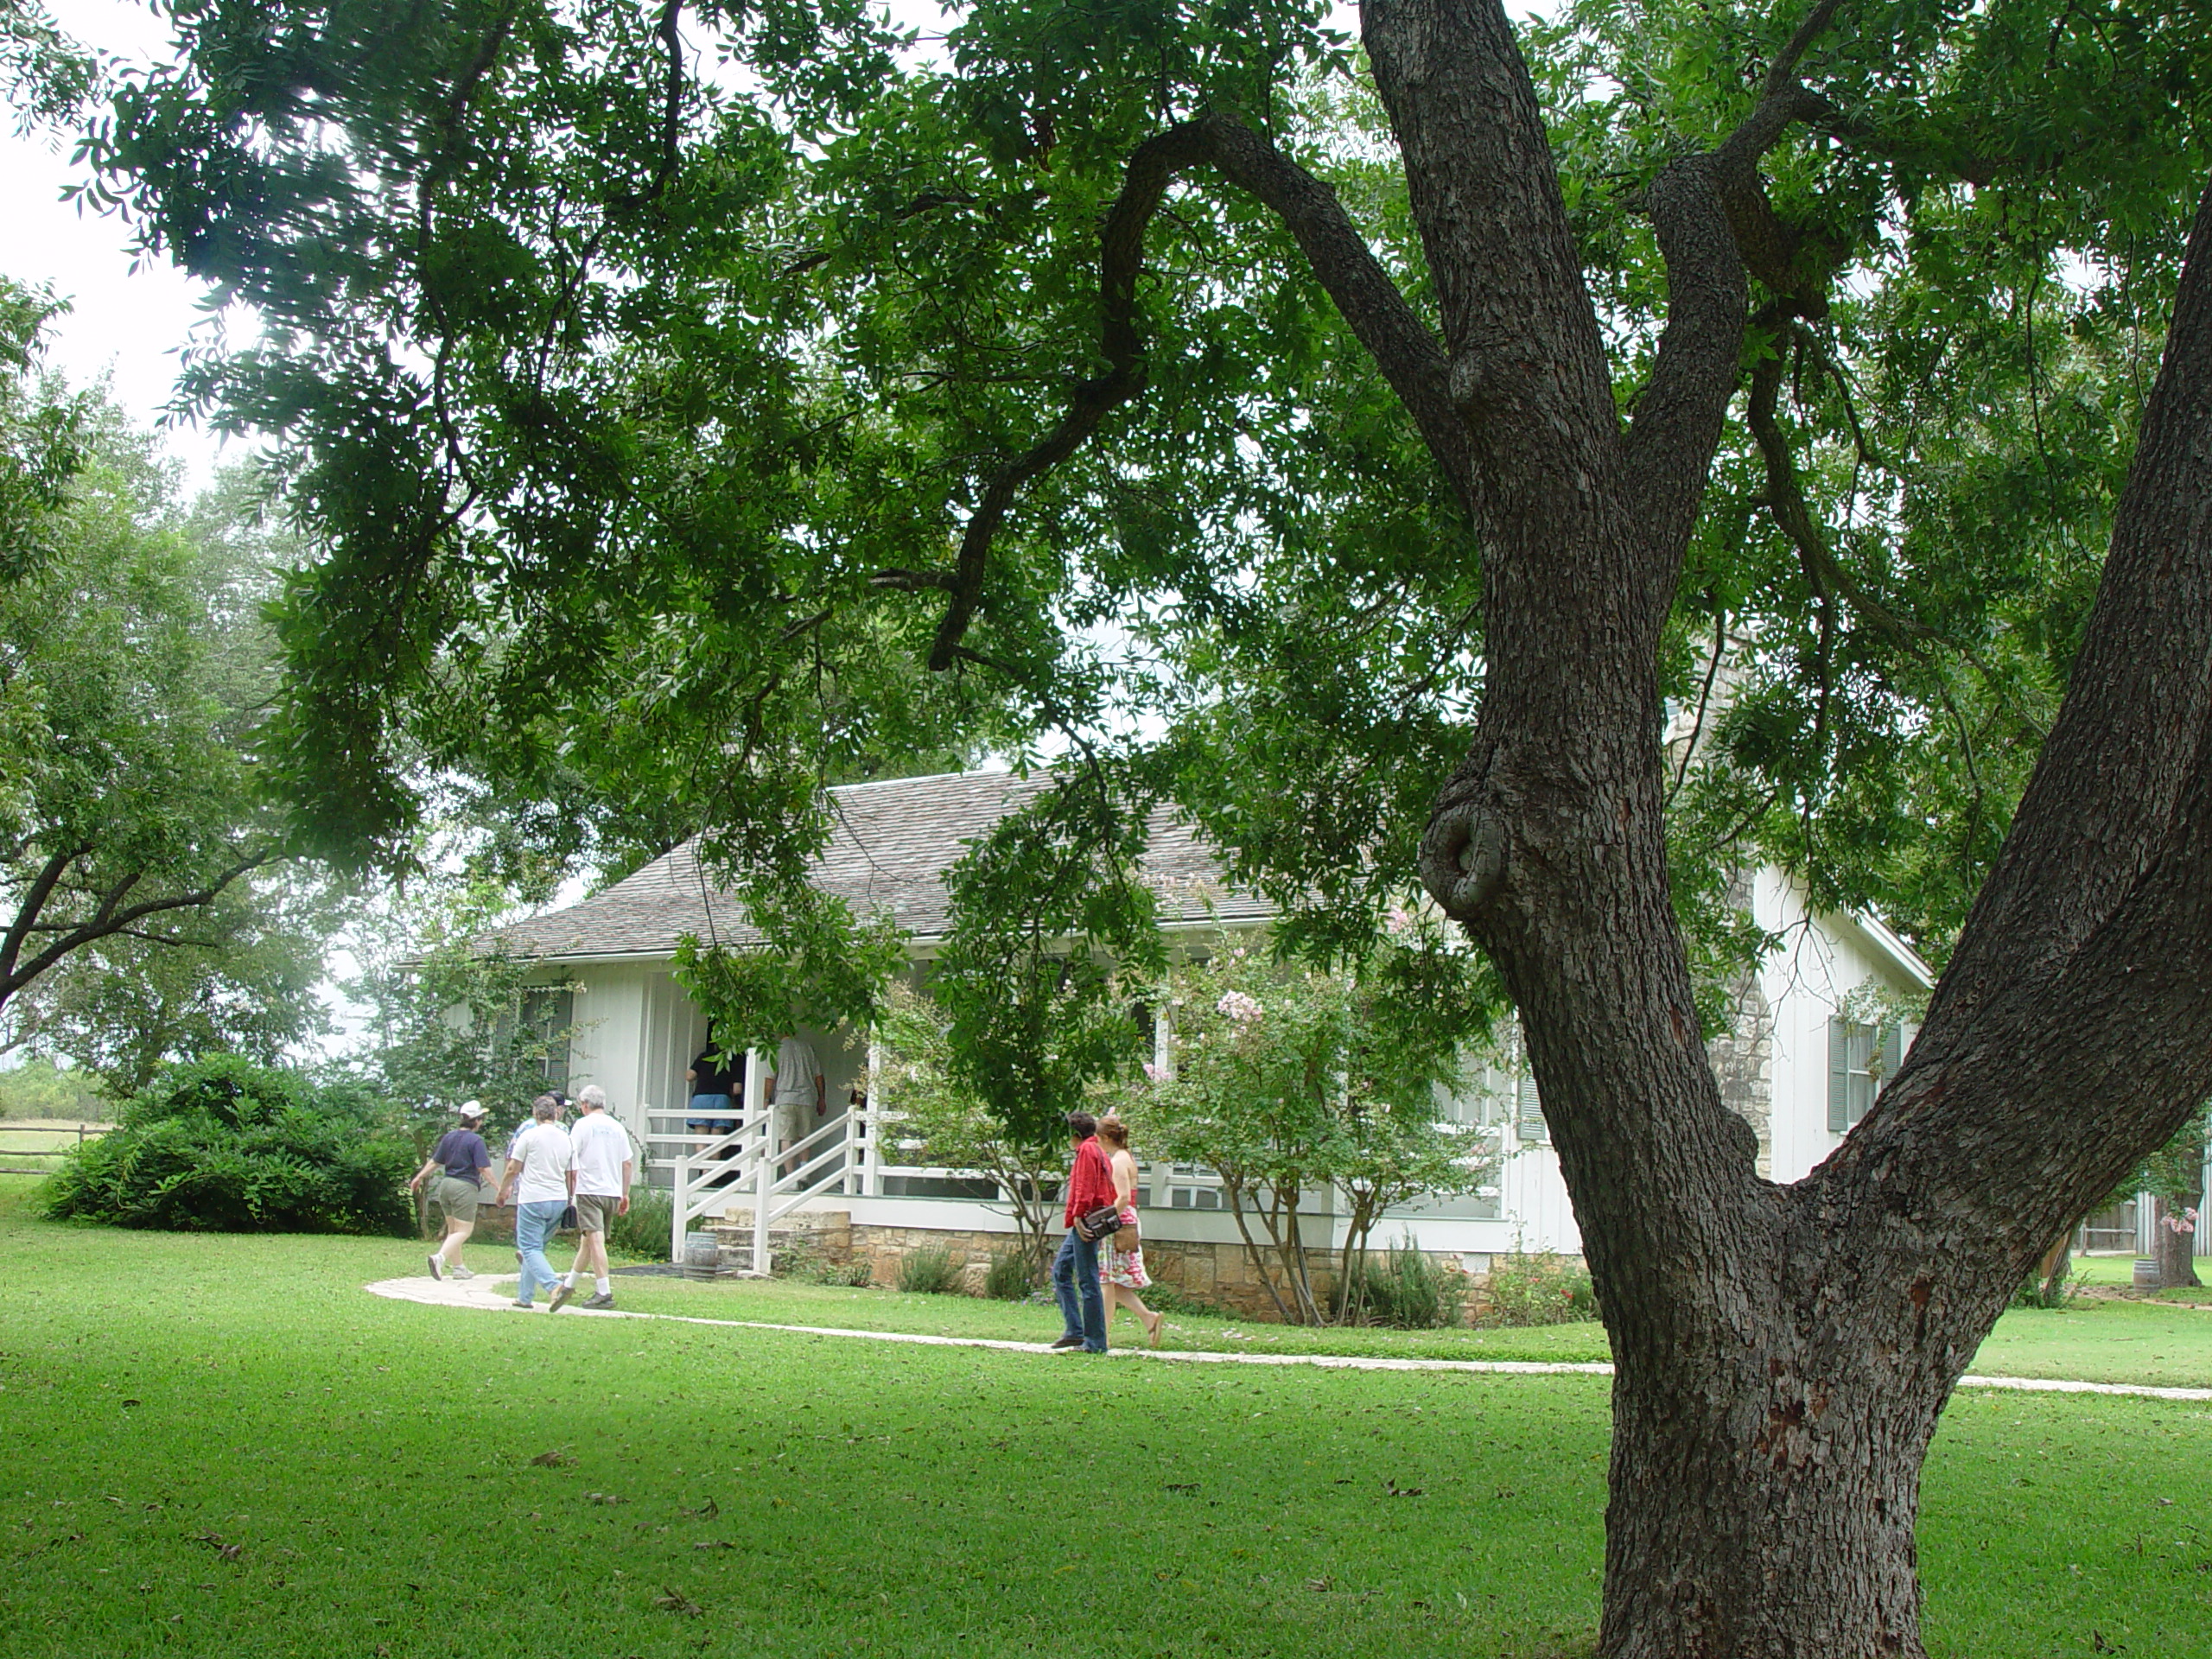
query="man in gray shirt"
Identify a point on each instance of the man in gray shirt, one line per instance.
(798, 1096)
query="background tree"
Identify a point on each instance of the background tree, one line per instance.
(2173, 1175)
(40, 1088)
(1405, 430)
(451, 1016)
(149, 909)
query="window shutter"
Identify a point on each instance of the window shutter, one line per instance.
(1839, 1077)
(1531, 1126)
(1892, 1051)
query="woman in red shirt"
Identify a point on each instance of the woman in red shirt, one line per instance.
(1075, 1269)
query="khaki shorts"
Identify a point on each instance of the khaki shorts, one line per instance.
(593, 1211)
(459, 1199)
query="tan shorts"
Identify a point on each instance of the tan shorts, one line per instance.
(593, 1211)
(459, 1199)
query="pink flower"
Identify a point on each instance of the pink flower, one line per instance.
(2184, 1222)
(1399, 919)
(1154, 1074)
(1236, 1005)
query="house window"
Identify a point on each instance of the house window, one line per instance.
(1861, 1059)
(1193, 1186)
(548, 1016)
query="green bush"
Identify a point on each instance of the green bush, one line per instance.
(1408, 1291)
(800, 1257)
(1539, 1289)
(1012, 1276)
(2062, 1292)
(929, 1271)
(225, 1146)
(644, 1234)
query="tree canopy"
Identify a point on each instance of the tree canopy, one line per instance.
(640, 366)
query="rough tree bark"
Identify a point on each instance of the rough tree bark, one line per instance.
(1783, 1352)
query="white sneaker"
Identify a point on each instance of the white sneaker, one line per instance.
(437, 1266)
(459, 1272)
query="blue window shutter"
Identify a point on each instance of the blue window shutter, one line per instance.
(1839, 1077)
(1892, 1051)
(1531, 1127)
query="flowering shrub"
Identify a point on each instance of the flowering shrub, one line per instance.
(1286, 1079)
(1539, 1289)
(1240, 1008)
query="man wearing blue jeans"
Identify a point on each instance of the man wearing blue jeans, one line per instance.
(541, 1157)
(1075, 1269)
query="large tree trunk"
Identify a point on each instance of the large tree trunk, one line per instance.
(2176, 1231)
(1783, 1352)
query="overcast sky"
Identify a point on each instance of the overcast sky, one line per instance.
(125, 325)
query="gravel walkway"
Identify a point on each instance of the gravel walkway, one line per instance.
(479, 1293)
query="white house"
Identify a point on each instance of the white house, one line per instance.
(1796, 1065)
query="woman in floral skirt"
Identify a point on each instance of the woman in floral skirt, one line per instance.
(1121, 1255)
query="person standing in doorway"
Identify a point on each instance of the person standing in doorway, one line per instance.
(1075, 1269)
(1121, 1255)
(598, 1179)
(798, 1096)
(461, 1161)
(715, 1085)
(538, 1174)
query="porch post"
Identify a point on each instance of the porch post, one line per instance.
(872, 1112)
(766, 1170)
(678, 1220)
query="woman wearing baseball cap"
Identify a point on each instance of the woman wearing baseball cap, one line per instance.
(460, 1160)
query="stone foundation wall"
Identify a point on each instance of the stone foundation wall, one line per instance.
(1743, 1064)
(1219, 1273)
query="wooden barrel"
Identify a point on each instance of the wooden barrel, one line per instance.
(2146, 1273)
(702, 1255)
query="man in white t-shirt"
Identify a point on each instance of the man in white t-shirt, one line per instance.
(599, 1179)
(540, 1157)
(798, 1096)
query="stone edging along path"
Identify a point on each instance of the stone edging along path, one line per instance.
(478, 1294)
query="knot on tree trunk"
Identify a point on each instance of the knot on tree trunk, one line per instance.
(1463, 857)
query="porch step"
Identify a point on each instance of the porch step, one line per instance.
(821, 1234)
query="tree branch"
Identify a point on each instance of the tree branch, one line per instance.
(35, 900)
(1713, 220)
(1369, 301)
(115, 916)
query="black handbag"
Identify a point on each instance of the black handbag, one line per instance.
(567, 1220)
(1094, 1224)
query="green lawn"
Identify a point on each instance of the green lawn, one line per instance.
(2094, 1341)
(220, 1446)
(2102, 1270)
(780, 1301)
(2103, 1342)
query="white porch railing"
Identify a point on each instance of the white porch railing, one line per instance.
(746, 1167)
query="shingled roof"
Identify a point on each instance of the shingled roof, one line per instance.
(893, 843)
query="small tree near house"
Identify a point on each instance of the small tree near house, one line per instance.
(950, 1126)
(1286, 1079)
